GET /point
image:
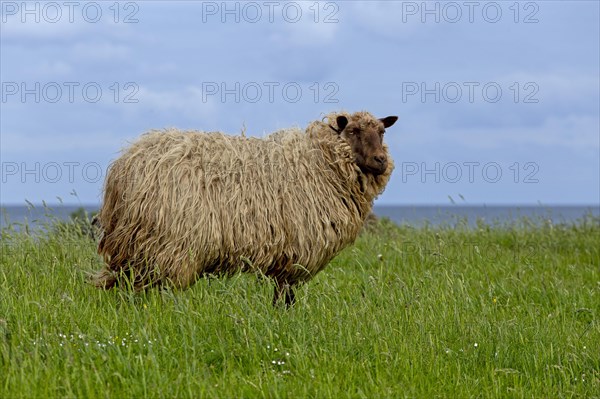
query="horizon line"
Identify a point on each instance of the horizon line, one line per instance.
(399, 204)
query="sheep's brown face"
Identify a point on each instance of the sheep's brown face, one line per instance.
(365, 137)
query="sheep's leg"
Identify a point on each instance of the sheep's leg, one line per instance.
(290, 296)
(287, 291)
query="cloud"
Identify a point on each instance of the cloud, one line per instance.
(18, 27)
(574, 132)
(188, 103)
(100, 50)
(292, 46)
(50, 68)
(547, 109)
(385, 19)
(22, 143)
(43, 23)
(317, 26)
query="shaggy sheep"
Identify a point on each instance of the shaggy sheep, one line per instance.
(180, 205)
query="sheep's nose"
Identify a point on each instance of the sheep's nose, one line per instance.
(380, 159)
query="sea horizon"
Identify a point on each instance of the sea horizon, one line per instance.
(411, 214)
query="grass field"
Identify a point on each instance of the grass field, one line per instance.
(429, 312)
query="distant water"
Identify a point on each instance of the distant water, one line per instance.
(417, 215)
(450, 215)
(38, 215)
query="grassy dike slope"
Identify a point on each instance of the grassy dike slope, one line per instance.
(430, 312)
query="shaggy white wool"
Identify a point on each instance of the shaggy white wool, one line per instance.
(181, 204)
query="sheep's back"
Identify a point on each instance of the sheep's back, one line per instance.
(208, 202)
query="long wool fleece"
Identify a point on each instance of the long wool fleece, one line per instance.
(181, 204)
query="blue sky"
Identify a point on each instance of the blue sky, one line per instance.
(498, 101)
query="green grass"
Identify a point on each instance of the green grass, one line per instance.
(429, 312)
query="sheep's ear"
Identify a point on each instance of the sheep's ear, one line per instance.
(341, 121)
(388, 121)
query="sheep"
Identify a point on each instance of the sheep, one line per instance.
(179, 205)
